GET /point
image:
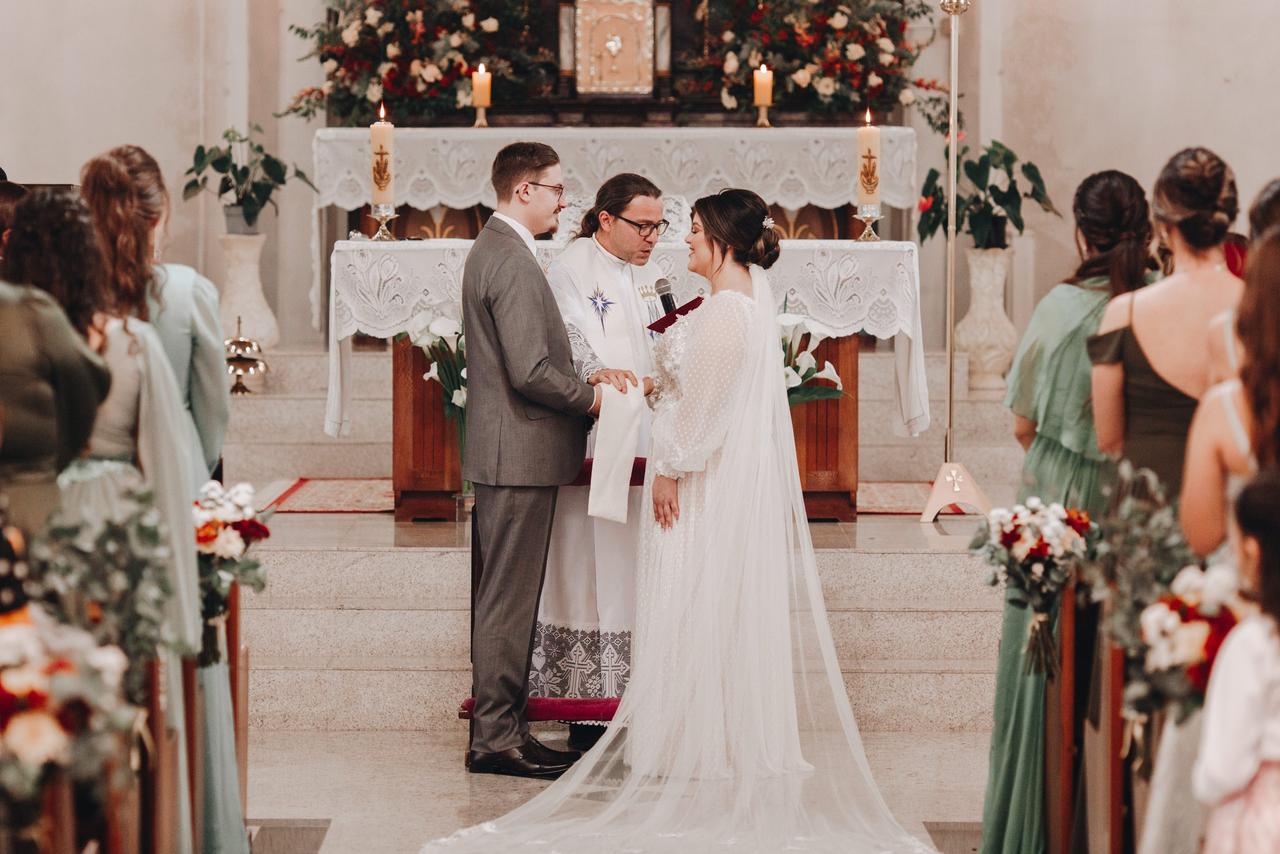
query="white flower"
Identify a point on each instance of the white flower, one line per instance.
(20, 681)
(805, 362)
(229, 545)
(431, 72)
(329, 66)
(839, 20)
(374, 92)
(459, 398)
(906, 97)
(463, 374)
(455, 40)
(469, 20)
(464, 97)
(110, 662)
(372, 16)
(728, 37)
(999, 519)
(433, 373)
(446, 328)
(727, 98)
(351, 34)
(489, 25)
(1034, 504)
(1157, 621)
(418, 328)
(1188, 584)
(886, 45)
(393, 50)
(755, 59)
(731, 64)
(828, 372)
(802, 76)
(1189, 640)
(1037, 570)
(887, 59)
(793, 379)
(36, 738)
(825, 86)
(384, 69)
(386, 28)
(1220, 586)
(327, 87)
(854, 51)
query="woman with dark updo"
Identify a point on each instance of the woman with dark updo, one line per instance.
(1225, 352)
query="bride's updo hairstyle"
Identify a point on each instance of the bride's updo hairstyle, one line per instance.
(737, 222)
(1196, 194)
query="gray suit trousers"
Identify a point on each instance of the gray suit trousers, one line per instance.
(508, 563)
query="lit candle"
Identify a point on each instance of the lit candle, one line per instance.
(764, 86)
(382, 144)
(869, 164)
(481, 88)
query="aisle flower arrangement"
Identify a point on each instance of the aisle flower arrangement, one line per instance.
(827, 60)
(800, 338)
(1184, 630)
(417, 56)
(226, 525)
(442, 340)
(1034, 550)
(61, 706)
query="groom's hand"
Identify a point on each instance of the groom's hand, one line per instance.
(616, 378)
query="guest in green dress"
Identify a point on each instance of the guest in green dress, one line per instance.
(1049, 394)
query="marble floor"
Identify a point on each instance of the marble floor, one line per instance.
(391, 791)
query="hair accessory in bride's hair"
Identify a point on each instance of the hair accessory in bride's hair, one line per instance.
(768, 222)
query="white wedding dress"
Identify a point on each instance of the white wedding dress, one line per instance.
(735, 733)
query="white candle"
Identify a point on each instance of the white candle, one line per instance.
(382, 144)
(763, 86)
(481, 88)
(869, 164)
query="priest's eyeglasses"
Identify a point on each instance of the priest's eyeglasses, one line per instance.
(645, 229)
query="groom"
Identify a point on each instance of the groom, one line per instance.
(526, 435)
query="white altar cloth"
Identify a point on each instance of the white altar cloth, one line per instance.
(788, 166)
(376, 287)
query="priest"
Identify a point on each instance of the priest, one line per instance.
(607, 296)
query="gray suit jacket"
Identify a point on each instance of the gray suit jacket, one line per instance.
(526, 409)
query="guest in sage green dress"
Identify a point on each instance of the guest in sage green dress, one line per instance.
(181, 304)
(126, 193)
(1049, 394)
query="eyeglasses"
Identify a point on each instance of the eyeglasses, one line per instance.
(644, 229)
(559, 188)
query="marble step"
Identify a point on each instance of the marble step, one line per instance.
(258, 462)
(887, 696)
(306, 372)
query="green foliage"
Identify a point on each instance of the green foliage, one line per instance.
(992, 195)
(244, 171)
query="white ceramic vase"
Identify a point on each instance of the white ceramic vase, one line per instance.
(242, 296)
(985, 333)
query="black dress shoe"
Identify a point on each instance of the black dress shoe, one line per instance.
(517, 762)
(549, 755)
(584, 736)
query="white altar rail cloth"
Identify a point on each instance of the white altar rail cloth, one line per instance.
(377, 287)
(790, 167)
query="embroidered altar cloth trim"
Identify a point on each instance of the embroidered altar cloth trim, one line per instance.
(377, 287)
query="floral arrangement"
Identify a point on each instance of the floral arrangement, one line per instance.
(60, 704)
(826, 59)
(1184, 630)
(441, 338)
(417, 56)
(1034, 549)
(109, 580)
(991, 200)
(800, 366)
(250, 176)
(226, 525)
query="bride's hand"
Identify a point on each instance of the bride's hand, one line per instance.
(666, 501)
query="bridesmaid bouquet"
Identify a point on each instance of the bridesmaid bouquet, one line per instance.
(1033, 549)
(226, 526)
(1183, 632)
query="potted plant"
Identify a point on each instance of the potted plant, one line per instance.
(988, 200)
(249, 176)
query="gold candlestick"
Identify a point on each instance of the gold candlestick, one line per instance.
(481, 120)
(868, 215)
(762, 117)
(383, 214)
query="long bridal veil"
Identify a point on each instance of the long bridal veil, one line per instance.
(741, 738)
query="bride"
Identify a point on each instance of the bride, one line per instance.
(735, 732)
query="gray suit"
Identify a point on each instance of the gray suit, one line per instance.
(526, 435)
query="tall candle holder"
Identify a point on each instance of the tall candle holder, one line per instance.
(762, 116)
(383, 214)
(482, 120)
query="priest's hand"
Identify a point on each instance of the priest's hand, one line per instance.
(616, 378)
(666, 501)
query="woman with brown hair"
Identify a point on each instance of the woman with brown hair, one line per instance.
(126, 193)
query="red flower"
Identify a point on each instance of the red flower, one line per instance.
(1039, 551)
(1078, 521)
(208, 532)
(251, 530)
(926, 202)
(757, 16)
(1008, 538)
(782, 35)
(1219, 627)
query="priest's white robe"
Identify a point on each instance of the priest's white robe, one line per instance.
(582, 647)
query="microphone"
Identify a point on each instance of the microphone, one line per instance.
(663, 287)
